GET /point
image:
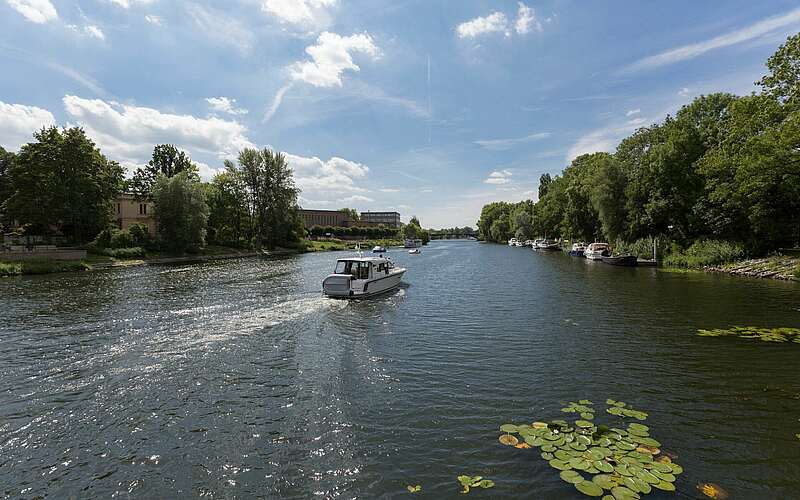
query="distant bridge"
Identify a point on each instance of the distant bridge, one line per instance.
(453, 236)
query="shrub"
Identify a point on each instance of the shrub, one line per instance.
(140, 236)
(121, 239)
(706, 253)
(40, 266)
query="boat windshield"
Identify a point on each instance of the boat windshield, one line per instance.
(358, 270)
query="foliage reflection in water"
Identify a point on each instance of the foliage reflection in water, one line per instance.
(626, 463)
(754, 332)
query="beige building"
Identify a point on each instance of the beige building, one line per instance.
(129, 210)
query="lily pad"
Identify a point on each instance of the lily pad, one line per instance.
(604, 481)
(589, 488)
(624, 493)
(665, 486)
(508, 428)
(571, 476)
(509, 440)
(583, 424)
(414, 489)
(560, 464)
(603, 466)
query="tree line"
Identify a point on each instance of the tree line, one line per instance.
(61, 183)
(725, 167)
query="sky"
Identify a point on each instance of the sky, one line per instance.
(431, 108)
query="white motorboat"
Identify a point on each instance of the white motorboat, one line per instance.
(546, 245)
(415, 251)
(578, 250)
(379, 249)
(596, 251)
(357, 277)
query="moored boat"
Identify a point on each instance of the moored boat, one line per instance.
(577, 250)
(625, 260)
(547, 245)
(379, 249)
(358, 277)
(597, 250)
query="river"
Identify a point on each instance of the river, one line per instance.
(237, 379)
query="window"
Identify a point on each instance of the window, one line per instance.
(119, 208)
(142, 208)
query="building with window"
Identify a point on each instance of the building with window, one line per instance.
(333, 218)
(129, 210)
(388, 219)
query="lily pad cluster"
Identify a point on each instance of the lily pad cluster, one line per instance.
(598, 460)
(753, 332)
(468, 482)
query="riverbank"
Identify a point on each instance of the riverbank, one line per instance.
(95, 262)
(778, 267)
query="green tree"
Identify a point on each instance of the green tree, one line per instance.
(228, 211)
(181, 213)
(62, 181)
(544, 184)
(168, 161)
(351, 213)
(272, 197)
(783, 81)
(6, 189)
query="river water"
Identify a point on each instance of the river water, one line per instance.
(237, 379)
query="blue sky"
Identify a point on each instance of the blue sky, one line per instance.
(429, 107)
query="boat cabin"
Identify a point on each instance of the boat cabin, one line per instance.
(364, 268)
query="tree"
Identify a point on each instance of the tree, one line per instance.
(544, 184)
(783, 81)
(413, 231)
(228, 212)
(351, 213)
(62, 182)
(168, 161)
(272, 197)
(6, 159)
(181, 213)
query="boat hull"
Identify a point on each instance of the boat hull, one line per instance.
(621, 260)
(595, 255)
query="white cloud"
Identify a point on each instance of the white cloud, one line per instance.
(18, 122)
(504, 144)
(126, 4)
(276, 102)
(526, 20)
(35, 11)
(498, 177)
(633, 112)
(330, 57)
(128, 133)
(691, 51)
(299, 12)
(326, 180)
(94, 32)
(356, 198)
(493, 23)
(684, 92)
(225, 105)
(389, 190)
(152, 19)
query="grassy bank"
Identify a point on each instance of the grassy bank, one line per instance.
(40, 266)
(339, 245)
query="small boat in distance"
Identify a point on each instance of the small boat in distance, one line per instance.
(596, 251)
(415, 251)
(625, 260)
(546, 245)
(577, 250)
(358, 277)
(379, 249)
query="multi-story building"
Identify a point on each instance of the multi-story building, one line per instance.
(388, 219)
(333, 218)
(129, 210)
